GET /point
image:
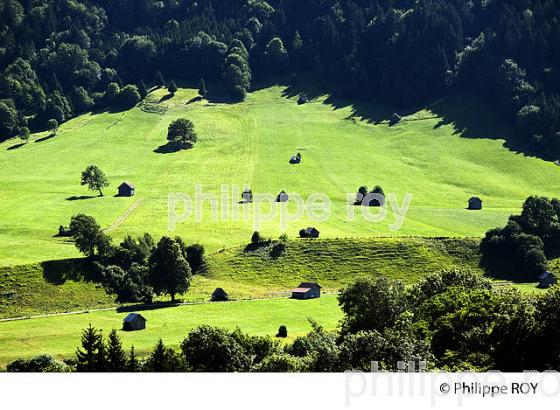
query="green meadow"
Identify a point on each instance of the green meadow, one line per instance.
(442, 155)
(60, 335)
(67, 286)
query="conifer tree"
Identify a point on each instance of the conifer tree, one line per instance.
(142, 89)
(202, 91)
(90, 356)
(116, 357)
(132, 364)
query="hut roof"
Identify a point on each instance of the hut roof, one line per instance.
(301, 290)
(132, 317)
(309, 285)
(126, 184)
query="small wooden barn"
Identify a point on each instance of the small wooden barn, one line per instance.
(247, 195)
(126, 189)
(219, 295)
(547, 279)
(307, 290)
(282, 197)
(134, 321)
(475, 203)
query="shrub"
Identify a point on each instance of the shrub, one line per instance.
(278, 250)
(282, 331)
(256, 238)
(129, 96)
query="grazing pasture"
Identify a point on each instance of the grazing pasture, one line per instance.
(60, 335)
(442, 155)
(63, 286)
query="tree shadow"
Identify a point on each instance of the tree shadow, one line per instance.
(473, 118)
(48, 137)
(59, 272)
(253, 247)
(15, 146)
(148, 306)
(80, 198)
(169, 148)
(166, 97)
(194, 100)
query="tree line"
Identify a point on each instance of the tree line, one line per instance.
(63, 57)
(453, 320)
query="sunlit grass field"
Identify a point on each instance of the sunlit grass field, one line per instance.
(67, 286)
(440, 156)
(60, 335)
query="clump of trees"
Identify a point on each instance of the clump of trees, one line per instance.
(375, 197)
(521, 249)
(138, 268)
(181, 133)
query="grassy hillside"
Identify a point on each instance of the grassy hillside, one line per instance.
(62, 286)
(442, 155)
(60, 335)
(48, 287)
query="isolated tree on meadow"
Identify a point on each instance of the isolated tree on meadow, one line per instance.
(169, 270)
(52, 126)
(181, 131)
(95, 179)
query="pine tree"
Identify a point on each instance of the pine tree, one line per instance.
(142, 89)
(132, 364)
(90, 359)
(116, 357)
(172, 87)
(202, 91)
(157, 359)
(160, 81)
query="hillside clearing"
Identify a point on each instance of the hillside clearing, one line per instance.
(451, 151)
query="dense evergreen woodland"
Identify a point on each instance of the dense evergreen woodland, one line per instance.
(59, 58)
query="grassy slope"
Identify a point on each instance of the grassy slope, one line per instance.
(60, 286)
(249, 144)
(60, 335)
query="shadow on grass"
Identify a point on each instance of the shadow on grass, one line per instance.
(148, 306)
(166, 97)
(60, 271)
(15, 146)
(80, 198)
(169, 148)
(48, 137)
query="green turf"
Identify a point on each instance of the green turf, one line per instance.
(442, 157)
(60, 335)
(62, 286)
